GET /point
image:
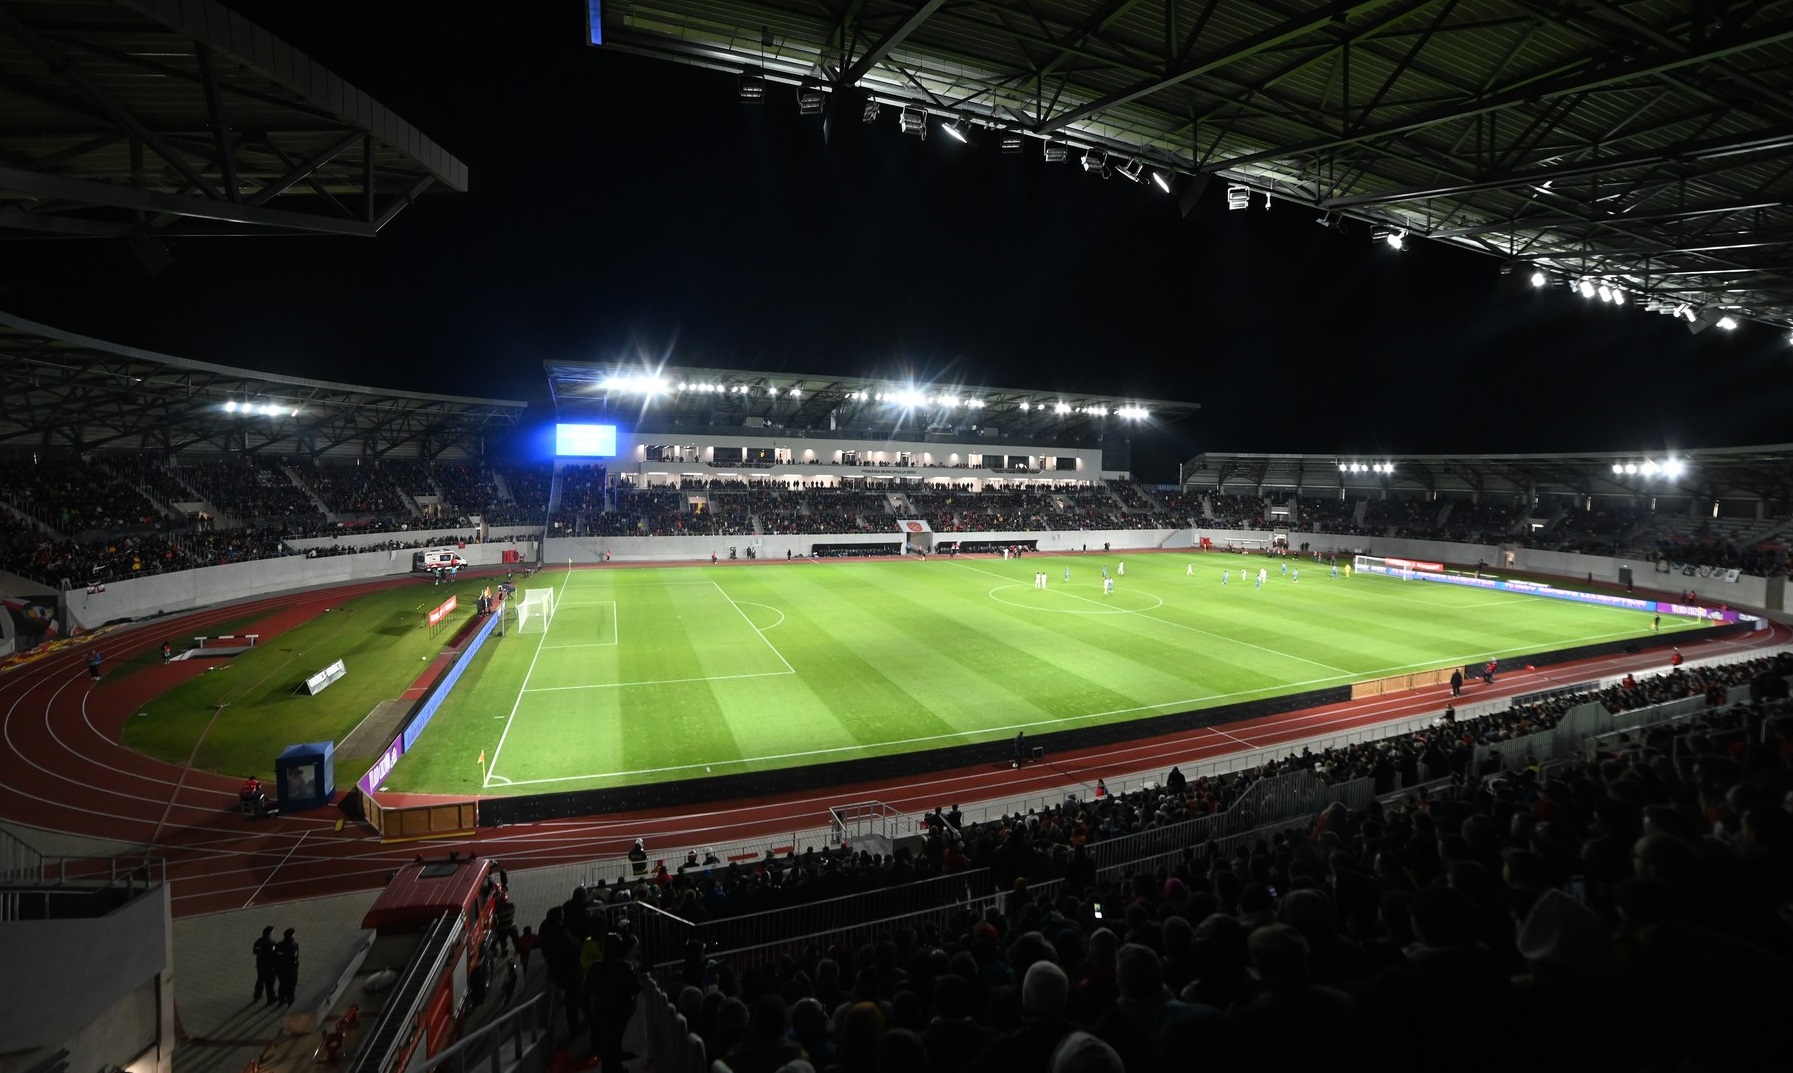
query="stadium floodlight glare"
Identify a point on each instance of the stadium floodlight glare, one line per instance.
(1605, 293)
(1728, 322)
(1162, 180)
(954, 130)
(909, 398)
(1132, 413)
(1618, 297)
(1057, 152)
(1238, 196)
(751, 87)
(1539, 279)
(230, 407)
(1649, 467)
(810, 99)
(1396, 237)
(1631, 468)
(1618, 467)
(1586, 287)
(1673, 468)
(1062, 408)
(914, 121)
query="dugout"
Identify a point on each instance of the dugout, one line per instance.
(305, 776)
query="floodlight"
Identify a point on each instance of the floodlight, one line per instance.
(1062, 408)
(1605, 292)
(1539, 279)
(1630, 467)
(1618, 467)
(1649, 467)
(954, 130)
(1011, 142)
(1586, 287)
(1162, 180)
(1673, 468)
(230, 407)
(810, 99)
(914, 121)
(1396, 237)
(1331, 221)
(1132, 171)
(751, 86)
(1057, 152)
(1618, 297)
(870, 112)
(1094, 160)
(1238, 197)
(1341, 467)
(1728, 322)
(1132, 413)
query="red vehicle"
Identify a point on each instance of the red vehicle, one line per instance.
(422, 970)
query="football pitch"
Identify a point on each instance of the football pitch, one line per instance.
(661, 674)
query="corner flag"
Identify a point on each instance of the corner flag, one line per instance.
(482, 756)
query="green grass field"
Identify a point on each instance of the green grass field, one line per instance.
(660, 674)
(238, 715)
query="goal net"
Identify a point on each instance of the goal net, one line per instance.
(535, 610)
(1391, 567)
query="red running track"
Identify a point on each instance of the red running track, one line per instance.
(65, 771)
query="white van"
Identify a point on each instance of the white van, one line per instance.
(433, 560)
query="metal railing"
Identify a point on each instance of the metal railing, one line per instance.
(517, 1031)
(674, 1047)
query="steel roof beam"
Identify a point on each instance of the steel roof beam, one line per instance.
(895, 36)
(1768, 141)
(1581, 78)
(1291, 30)
(1552, 222)
(36, 184)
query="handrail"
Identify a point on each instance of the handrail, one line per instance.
(457, 1051)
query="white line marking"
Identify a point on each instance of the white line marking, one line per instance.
(659, 681)
(278, 867)
(546, 625)
(756, 629)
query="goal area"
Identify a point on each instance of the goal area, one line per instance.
(1393, 567)
(535, 610)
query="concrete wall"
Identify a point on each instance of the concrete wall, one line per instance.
(188, 589)
(144, 597)
(102, 988)
(559, 550)
(362, 540)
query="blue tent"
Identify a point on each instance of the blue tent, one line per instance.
(306, 776)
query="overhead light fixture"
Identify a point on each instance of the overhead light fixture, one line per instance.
(1618, 297)
(1728, 323)
(1586, 287)
(1539, 279)
(1605, 293)
(1331, 221)
(1011, 142)
(1238, 196)
(1057, 152)
(870, 114)
(810, 99)
(1132, 171)
(1162, 180)
(751, 86)
(1094, 160)
(1396, 237)
(955, 130)
(914, 121)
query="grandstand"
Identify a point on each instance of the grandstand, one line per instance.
(1550, 859)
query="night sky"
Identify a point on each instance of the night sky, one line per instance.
(621, 205)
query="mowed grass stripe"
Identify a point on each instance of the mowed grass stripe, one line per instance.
(872, 657)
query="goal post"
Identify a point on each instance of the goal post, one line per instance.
(1389, 566)
(535, 610)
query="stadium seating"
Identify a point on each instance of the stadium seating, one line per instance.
(1575, 902)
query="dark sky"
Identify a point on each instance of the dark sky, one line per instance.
(620, 204)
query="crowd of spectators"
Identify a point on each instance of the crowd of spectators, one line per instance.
(1630, 912)
(352, 488)
(251, 491)
(74, 497)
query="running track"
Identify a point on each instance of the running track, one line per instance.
(62, 769)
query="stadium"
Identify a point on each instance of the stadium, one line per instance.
(842, 703)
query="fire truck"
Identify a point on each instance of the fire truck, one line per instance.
(419, 976)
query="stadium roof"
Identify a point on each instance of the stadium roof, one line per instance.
(163, 118)
(690, 398)
(1754, 472)
(66, 390)
(1642, 145)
